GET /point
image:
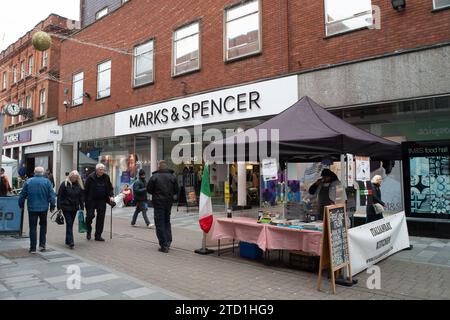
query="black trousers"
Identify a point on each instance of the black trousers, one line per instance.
(70, 217)
(163, 226)
(33, 222)
(100, 207)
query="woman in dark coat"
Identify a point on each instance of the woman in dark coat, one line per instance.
(70, 200)
(372, 215)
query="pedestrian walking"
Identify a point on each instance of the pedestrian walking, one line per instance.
(39, 193)
(163, 186)
(5, 187)
(140, 196)
(70, 200)
(49, 176)
(98, 192)
(375, 210)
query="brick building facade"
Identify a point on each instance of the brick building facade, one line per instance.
(377, 67)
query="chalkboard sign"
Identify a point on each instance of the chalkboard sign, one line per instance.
(338, 237)
(335, 252)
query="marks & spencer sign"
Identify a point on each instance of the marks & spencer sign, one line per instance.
(244, 102)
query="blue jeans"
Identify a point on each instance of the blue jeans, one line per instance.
(70, 219)
(141, 206)
(33, 221)
(163, 227)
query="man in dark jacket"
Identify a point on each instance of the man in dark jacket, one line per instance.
(98, 192)
(163, 187)
(140, 196)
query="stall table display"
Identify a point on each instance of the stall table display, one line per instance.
(268, 236)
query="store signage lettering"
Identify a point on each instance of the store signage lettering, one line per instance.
(428, 150)
(16, 138)
(243, 102)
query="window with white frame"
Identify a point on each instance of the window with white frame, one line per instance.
(77, 89)
(439, 4)
(15, 74)
(103, 12)
(13, 120)
(143, 64)
(124, 1)
(104, 80)
(30, 65)
(28, 102)
(243, 30)
(5, 80)
(22, 70)
(186, 49)
(342, 16)
(42, 102)
(44, 58)
(21, 107)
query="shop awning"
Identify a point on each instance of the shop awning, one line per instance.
(308, 132)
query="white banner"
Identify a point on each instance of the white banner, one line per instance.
(375, 241)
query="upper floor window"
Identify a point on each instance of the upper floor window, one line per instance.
(42, 102)
(104, 80)
(143, 64)
(342, 16)
(28, 102)
(5, 80)
(30, 65)
(243, 30)
(21, 107)
(123, 1)
(101, 13)
(77, 89)
(15, 74)
(186, 49)
(22, 70)
(44, 58)
(439, 4)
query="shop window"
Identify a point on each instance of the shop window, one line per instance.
(440, 4)
(143, 63)
(104, 80)
(186, 47)
(77, 89)
(243, 30)
(343, 16)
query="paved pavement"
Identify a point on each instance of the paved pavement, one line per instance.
(421, 273)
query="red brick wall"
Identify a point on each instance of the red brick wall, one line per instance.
(304, 48)
(415, 27)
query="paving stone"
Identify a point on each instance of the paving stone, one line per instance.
(140, 292)
(63, 259)
(87, 295)
(100, 278)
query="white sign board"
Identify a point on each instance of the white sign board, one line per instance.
(350, 170)
(362, 169)
(55, 134)
(244, 102)
(269, 169)
(375, 241)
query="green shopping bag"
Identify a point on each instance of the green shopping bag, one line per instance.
(81, 223)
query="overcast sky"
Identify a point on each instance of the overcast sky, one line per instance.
(17, 17)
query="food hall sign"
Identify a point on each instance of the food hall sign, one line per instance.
(244, 102)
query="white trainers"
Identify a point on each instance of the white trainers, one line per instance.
(151, 226)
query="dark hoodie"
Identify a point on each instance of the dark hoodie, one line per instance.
(163, 186)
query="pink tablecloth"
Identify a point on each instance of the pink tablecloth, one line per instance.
(267, 237)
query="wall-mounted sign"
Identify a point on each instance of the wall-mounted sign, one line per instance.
(17, 138)
(55, 134)
(362, 168)
(244, 102)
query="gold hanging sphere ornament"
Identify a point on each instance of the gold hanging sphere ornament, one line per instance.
(41, 41)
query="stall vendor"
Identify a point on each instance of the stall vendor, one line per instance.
(328, 190)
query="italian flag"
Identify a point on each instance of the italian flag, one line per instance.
(206, 212)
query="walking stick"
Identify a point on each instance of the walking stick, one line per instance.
(110, 225)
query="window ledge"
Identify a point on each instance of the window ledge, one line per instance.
(3, 90)
(20, 81)
(186, 73)
(42, 69)
(143, 85)
(103, 98)
(345, 32)
(250, 55)
(440, 9)
(76, 105)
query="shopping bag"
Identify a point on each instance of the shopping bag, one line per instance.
(81, 223)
